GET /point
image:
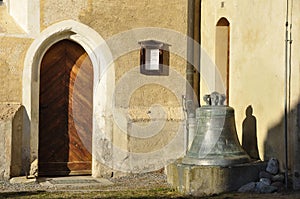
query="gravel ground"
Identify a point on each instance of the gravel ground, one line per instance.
(131, 182)
(133, 186)
(7, 187)
(141, 181)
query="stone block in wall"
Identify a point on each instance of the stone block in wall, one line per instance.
(14, 145)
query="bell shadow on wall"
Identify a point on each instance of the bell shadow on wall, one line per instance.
(249, 139)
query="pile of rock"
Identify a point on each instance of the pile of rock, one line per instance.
(270, 180)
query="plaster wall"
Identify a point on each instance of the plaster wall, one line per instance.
(12, 55)
(15, 151)
(19, 11)
(294, 122)
(7, 23)
(26, 13)
(257, 62)
(109, 17)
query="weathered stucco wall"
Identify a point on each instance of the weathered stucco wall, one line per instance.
(14, 45)
(257, 62)
(14, 141)
(12, 54)
(109, 17)
(295, 95)
(7, 24)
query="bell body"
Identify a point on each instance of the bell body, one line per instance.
(216, 141)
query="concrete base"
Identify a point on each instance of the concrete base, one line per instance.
(207, 180)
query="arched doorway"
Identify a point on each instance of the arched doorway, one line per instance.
(222, 55)
(65, 110)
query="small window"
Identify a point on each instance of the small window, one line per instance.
(154, 58)
(222, 56)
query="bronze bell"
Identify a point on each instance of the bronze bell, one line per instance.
(216, 141)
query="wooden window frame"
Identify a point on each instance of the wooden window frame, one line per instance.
(164, 56)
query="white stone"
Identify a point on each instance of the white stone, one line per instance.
(266, 181)
(22, 180)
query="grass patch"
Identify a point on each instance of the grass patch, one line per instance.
(139, 193)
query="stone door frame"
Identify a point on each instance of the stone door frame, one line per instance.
(103, 67)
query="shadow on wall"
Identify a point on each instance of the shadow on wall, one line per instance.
(296, 152)
(274, 144)
(249, 139)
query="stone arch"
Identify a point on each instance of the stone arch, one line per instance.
(103, 67)
(223, 22)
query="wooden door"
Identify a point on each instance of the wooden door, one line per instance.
(65, 112)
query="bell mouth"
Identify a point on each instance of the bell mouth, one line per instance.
(218, 160)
